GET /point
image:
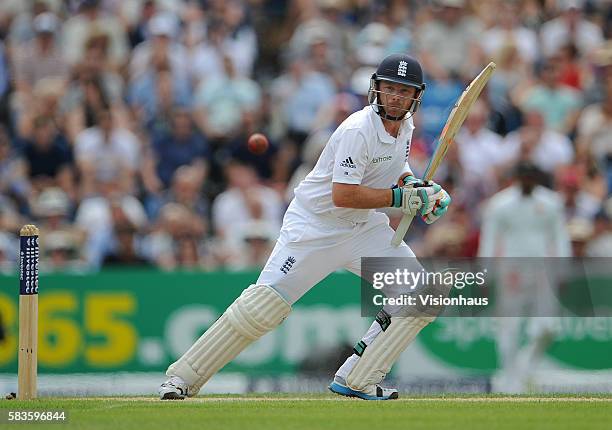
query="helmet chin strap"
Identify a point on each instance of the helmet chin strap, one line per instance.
(384, 115)
(380, 110)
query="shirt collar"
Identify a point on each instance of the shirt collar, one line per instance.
(383, 135)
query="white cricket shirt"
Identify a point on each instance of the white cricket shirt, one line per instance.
(359, 152)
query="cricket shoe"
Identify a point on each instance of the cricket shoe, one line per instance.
(376, 392)
(173, 389)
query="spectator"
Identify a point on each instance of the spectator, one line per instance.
(161, 47)
(125, 244)
(318, 20)
(186, 190)
(479, 152)
(241, 41)
(48, 158)
(176, 241)
(21, 30)
(206, 57)
(573, 73)
(139, 30)
(244, 201)
(90, 17)
(41, 58)
(570, 26)
(578, 203)
(448, 46)
(258, 238)
(595, 128)
(220, 103)
(88, 95)
(96, 63)
(96, 215)
(558, 103)
(59, 253)
(321, 60)
(107, 151)
(126, 250)
(61, 241)
(371, 44)
(297, 97)
(396, 18)
(156, 93)
(509, 31)
(44, 101)
(181, 146)
(535, 142)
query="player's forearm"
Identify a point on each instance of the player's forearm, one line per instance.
(360, 197)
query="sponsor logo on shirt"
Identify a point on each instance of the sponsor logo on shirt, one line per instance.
(348, 163)
(382, 159)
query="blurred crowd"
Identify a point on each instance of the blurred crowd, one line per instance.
(123, 124)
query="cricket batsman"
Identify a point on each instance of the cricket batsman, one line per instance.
(330, 224)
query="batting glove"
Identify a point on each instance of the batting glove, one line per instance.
(411, 180)
(416, 198)
(440, 207)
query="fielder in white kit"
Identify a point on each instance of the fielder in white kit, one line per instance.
(331, 224)
(524, 242)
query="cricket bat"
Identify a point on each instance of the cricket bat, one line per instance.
(452, 126)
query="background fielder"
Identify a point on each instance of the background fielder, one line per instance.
(331, 224)
(537, 231)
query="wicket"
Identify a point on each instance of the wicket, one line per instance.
(28, 313)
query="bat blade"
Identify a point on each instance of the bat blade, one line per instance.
(453, 124)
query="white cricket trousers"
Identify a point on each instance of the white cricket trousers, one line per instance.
(310, 247)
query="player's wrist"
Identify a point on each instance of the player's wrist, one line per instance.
(396, 197)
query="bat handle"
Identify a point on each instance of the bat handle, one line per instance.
(401, 230)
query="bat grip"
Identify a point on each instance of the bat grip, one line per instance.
(401, 230)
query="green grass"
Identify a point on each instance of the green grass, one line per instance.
(317, 411)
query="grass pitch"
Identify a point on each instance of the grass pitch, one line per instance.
(322, 411)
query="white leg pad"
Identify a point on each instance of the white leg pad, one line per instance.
(383, 352)
(255, 312)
